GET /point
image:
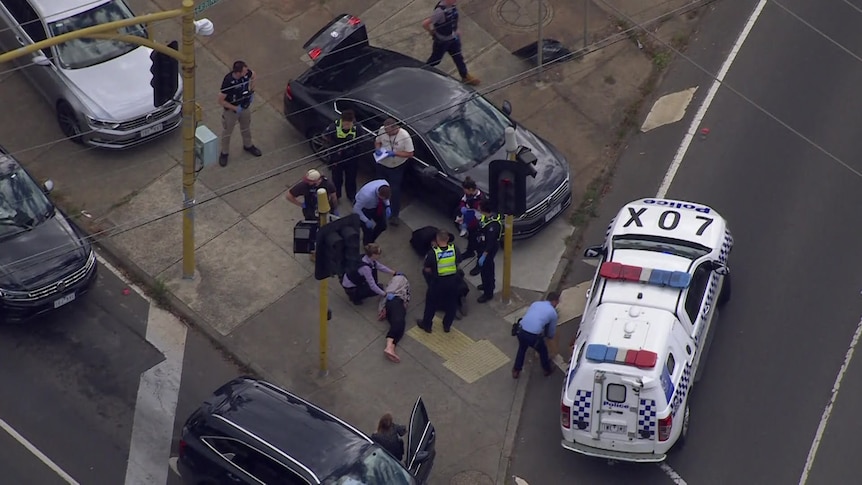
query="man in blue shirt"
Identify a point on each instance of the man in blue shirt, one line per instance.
(372, 205)
(539, 323)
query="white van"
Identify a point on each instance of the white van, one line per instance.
(661, 275)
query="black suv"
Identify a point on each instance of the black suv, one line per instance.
(45, 260)
(251, 431)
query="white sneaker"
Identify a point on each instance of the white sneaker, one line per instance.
(463, 233)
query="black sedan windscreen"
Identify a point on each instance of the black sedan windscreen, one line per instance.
(22, 203)
(470, 135)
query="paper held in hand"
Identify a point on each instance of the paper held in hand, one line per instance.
(380, 155)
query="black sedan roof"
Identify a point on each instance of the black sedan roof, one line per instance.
(419, 97)
(300, 429)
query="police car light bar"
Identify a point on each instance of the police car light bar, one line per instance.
(652, 276)
(643, 359)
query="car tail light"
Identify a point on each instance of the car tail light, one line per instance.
(288, 93)
(181, 449)
(565, 416)
(315, 53)
(354, 21)
(664, 427)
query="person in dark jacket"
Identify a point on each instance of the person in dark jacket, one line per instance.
(362, 282)
(343, 157)
(467, 216)
(388, 436)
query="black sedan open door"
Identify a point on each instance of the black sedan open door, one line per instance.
(420, 443)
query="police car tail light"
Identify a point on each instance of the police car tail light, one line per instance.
(650, 276)
(314, 53)
(642, 359)
(664, 427)
(565, 416)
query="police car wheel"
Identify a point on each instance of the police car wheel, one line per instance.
(684, 433)
(724, 297)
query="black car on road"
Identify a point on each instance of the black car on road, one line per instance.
(46, 261)
(456, 131)
(251, 431)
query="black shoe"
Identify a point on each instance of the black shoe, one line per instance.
(222, 159)
(484, 298)
(356, 302)
(476, 270)
(421, 324)
(468, 254)
(253, 150)
(447, 329)
(548, 372)
(394, 221)
(481, 287)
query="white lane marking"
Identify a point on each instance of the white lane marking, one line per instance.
(674, 476)
(38, 454)
(827, 412)
(520, 481)
(668, 109)
(158, 393)
(701, 112)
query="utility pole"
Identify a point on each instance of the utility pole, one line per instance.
(509, 221)
(541, 49)
(323, 212)
(191, 115)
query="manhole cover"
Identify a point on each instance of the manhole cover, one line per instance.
(471, 477)
(523, 15)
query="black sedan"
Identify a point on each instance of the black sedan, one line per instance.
(45, 260)
(251, 431)
(456, 132)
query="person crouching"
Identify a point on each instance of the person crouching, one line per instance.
(393, 308)
(362, 282)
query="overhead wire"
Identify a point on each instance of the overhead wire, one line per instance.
(266, 175)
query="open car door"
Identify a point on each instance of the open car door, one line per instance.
(420, 443)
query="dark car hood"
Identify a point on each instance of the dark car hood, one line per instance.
(552, 167)
(41, 255)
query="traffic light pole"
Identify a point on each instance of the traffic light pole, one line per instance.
(323, 210)
(509, 220)
(186, 57)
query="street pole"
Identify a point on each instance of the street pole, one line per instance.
(541, 42)
(189, 125)
(509, 222)
(323, 211)
(586, 17)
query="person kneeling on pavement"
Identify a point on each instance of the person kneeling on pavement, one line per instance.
(393, 308)
(362, 282)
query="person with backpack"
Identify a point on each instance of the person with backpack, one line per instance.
(443, 27)
(362, 282)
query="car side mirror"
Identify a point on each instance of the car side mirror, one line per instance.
(48, 186)
(422, 456)
(429, 172)
(720, 269)
(41, 60)
(593, 252)
(507, 108)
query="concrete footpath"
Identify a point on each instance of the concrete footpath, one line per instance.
(260, 301)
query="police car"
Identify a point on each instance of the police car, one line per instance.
(661, 276)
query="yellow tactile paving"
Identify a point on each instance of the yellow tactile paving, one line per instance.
(479, 360)
(446, 345)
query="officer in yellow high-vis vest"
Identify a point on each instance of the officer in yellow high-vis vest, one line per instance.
(491, 232)
(441, 264)
(344, 154)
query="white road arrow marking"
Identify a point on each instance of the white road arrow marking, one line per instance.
(520, 481)
(668, 109)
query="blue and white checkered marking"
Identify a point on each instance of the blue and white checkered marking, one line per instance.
(726, 246)
(581, 406)
(681, 389)
(647, 419)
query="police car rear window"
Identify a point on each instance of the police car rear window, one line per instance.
(676, 247)
(616, 393)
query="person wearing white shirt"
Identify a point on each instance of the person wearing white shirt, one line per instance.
(372, 206)
(396, 143)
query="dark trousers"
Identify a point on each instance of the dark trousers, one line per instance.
(396, 315)
(453, 48)
(473, 244)
(370, 235)
(359, 293)
(441, 295)
(395, 177)
(527, 340)
(488, 277)
(344, 174)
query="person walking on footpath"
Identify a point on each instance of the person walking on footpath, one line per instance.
(393, 308)
(343, 155)
(441, 264)
(372, 205)
(491, 233)
(443, 27)
(306, 189)
(393, 147)
(388, 436)
(362, 281)
(538, 324)
(236, 96)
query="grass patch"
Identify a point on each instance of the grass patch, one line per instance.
(661, 60)
(679, 41)
(159, 293)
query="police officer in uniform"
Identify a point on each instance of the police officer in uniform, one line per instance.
(443, 27)
(236, 95)
(343, 157)
(441, 263)
(491, 231)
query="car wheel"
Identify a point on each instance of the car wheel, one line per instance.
(68, 121)
(680, 442)
(724, 296)
(318, 144)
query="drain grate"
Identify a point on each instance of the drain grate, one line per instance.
(523, 15)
